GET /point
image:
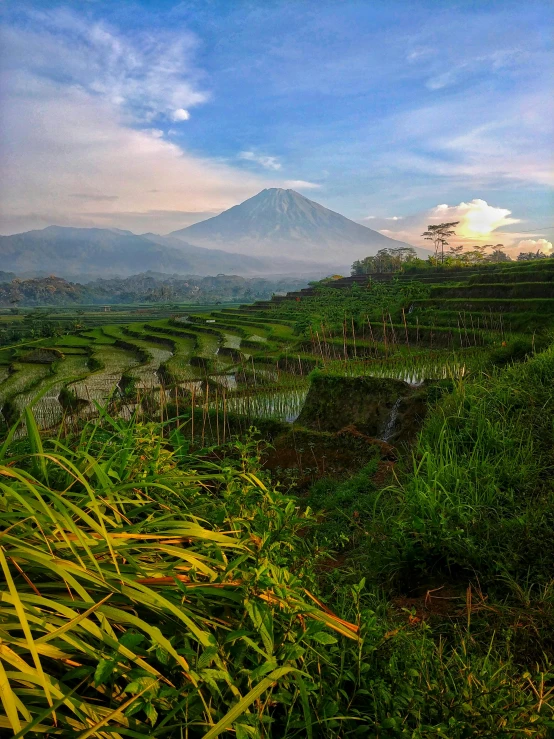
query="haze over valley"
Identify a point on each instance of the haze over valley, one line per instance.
(276, 232)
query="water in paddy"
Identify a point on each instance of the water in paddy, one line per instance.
(413, 371)
(24, 377)
(147, 374)
(193, 386)
(229, 382)
(231, 341)
(280, 405)
(47, 410)
(99, 386)
(266, 374)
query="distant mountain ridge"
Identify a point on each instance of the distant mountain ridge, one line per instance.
(284, 222)
(100, 252)
(275, 232)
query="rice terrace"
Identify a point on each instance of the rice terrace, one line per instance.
(276, 370)
(239, 518)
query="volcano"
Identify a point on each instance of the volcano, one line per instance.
(284, 223)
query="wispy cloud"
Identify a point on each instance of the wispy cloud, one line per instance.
(76, 126)
(267, 162)
(95, 198)
(301, 185)
(146, 75)
(465, 138)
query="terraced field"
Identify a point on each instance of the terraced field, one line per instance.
(379, 561)
(254, 360)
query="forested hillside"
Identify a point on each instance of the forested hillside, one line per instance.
(147, 287)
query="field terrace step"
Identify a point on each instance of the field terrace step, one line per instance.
(495, 290)
(503, 305)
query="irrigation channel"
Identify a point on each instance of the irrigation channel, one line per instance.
(233, 364)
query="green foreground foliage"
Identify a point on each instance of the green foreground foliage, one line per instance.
(159, 582)
(155, 592)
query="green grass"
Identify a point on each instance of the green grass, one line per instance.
(159, 582)
(154, 593)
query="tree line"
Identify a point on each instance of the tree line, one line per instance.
(396, 259)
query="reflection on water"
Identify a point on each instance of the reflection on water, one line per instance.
(280, 405)
(229, 382)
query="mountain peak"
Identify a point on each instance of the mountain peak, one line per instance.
(283, 222)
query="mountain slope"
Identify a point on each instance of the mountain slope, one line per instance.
(283, 222)
(99, 252)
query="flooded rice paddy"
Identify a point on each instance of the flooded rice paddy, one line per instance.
(207, 364)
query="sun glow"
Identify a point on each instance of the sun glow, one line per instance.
(477, 218)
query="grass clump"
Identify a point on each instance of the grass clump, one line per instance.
(154, 593)
(479, 497)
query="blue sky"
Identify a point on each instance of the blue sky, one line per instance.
(151, 115)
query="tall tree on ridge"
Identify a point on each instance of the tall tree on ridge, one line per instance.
(439, 235)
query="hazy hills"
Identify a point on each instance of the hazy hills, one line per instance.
(149, 287)
(278, 221)
(275, 232)
(101, 252)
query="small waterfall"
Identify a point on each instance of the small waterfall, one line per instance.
(388, 428)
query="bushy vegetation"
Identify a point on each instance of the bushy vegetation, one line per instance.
(151, 591)
(180, 577)
(330, 307)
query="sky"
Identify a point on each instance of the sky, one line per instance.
(150, 116)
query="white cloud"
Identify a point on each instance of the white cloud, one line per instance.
(75, 97)
(301, 185)
(479, 222)
(180, 115)
(264, 161)
(477, 218)
(534, 245)
(395, 218)
(65, 141)
(369, 218)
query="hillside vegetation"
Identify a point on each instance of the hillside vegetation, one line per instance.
(326, 515)
(144, 288)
